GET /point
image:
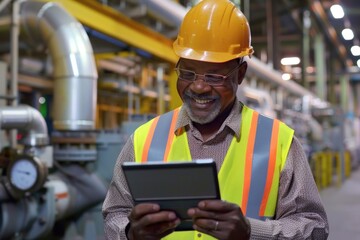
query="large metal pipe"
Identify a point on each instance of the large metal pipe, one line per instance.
(79, 190)
(25, 118)
(69, 191)
(169, 12)
(4, 195)
(266, 73)
(32, 218)
(16, 216)
(49, 26)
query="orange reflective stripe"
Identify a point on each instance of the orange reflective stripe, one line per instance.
(248, 161)
(171, 134)
(149, 137)
(271, 166)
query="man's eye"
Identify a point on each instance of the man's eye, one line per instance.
(187, 75)
(213, 78)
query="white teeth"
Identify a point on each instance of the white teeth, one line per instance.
(202, 101)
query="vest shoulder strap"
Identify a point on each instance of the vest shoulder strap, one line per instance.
(154, 138)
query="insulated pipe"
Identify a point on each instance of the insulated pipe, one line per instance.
(14, 50)
(263, 71)
(78, 190)
(16, 216)
(26, 118)
(4, 196)
(50, 27)
(30, 217)
(169, 12)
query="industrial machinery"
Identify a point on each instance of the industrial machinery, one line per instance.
(47, 180)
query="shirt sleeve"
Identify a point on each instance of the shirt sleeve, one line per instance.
(300, 213)
(118, 202)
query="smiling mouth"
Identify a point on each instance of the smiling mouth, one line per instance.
(202, 101)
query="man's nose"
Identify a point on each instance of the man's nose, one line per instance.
(200, 85)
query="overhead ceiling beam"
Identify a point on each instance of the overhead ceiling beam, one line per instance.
(112, 23)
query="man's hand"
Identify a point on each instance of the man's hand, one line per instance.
(220, 219)
(147, 221)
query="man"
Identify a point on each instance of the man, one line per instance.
(266, 184)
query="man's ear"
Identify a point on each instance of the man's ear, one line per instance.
(242, 72)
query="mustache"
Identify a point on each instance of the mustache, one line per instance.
(190, 95)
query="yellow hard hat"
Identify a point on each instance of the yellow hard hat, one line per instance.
(214, 31)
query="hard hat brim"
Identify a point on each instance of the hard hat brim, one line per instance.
(208, 56)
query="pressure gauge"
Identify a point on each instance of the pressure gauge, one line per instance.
(26, 174)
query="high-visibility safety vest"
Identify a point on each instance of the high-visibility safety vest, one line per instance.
(250, 173)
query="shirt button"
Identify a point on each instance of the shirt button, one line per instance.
(199, 235)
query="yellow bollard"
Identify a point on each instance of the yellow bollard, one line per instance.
(347, 159)
(338, 169)
(319, 169)
(323, 159)
(329, 170)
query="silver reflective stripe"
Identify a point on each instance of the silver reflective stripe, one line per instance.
(259, 166)
(160, 138)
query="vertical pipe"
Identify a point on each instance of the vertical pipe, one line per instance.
(305, 47)
(344, 85)
(137, 104)
(130, 99)
(320, 66)
(161, 89)
(14, 52)
(50, 27)
(270, 33)
(357, 100)
(331, 80)
(245, 7)
(3, 93)
(3, 83)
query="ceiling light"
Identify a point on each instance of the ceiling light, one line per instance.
(355, 50)
(347, 34)
(286, 76)
(337, 11)
(290, 61)
(358, 63)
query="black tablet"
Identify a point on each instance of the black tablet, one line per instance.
(175, 186)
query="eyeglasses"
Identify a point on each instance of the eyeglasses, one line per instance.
(210, 78)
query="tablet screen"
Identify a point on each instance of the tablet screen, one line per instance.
(175, 186)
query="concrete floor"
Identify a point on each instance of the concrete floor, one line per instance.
(342, 205)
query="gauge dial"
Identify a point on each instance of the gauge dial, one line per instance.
(26, 174)
(23, 174)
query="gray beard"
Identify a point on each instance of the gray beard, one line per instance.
(202, 120)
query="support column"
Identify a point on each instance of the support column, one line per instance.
(306, 23)
(273, 31)
(320, 60)
(344, 96)
(245, 7)
(356, 90)
(160, 89)
(333, 96)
